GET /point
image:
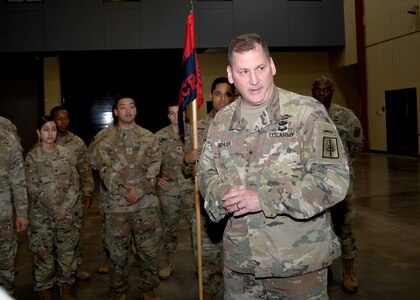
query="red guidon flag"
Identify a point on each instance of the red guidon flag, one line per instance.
(191, 87)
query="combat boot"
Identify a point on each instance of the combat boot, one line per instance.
(46, 294)
(104, 268)
(65, 291)
(119, 295)
(167, 269)
(82, 274)
(349, 278)
(150, 295)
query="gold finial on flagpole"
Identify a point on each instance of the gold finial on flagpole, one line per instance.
(191, 6)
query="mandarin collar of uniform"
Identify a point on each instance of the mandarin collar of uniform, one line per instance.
(39, 151)
(270, 114)
(65, 137)
(136, 130)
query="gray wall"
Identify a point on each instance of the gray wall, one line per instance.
(64, 25)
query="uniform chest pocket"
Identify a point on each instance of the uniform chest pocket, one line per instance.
(61, 168)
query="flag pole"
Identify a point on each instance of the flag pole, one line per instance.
(196, 102)
(197, 206)
(197, 196)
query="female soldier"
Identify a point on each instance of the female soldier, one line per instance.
(53, 185)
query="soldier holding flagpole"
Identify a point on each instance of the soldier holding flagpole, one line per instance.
(191, 92)
(222, 94)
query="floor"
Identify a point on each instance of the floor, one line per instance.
(388, 263)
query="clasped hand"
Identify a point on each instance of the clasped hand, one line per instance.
(239, 200)
(132, 195)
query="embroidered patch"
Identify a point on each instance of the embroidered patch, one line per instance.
(330, 148)
(224, 144)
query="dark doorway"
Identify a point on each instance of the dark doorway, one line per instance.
(21, 88)
(401, 122)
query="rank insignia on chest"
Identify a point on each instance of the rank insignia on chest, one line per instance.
(330, 148)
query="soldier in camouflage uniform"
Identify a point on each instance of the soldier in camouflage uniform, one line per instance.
(344, 213)
(222, 93)
(128, 160)
(104, 268)
(13, 197)
(7, 125)
(53, 186)
(274, 163)
(75, 144)
(175, 189)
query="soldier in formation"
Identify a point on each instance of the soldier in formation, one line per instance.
(344, 213)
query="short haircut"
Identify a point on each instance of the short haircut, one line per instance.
(123, 96)
(321, 79)
(245, 43)
(58, 108)
(222, 80)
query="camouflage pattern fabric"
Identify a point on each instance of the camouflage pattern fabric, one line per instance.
(351, 134)
(53, 185)
(7, 125)
(211, 232)
(53, 243)
(177, 198)
(52, 179)
(13, 197)
(12, 178)
(130, 157)
(8, 250)
(121, 162)
(144, 227)
(102, 190)
(293, 157)
(79, 149)
(344, 213)
(94, 142)
(240, 286)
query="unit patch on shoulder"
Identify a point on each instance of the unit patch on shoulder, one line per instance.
(330, 147)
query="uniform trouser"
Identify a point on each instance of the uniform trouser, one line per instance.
(172, 207)
(53, 245)
(240, 286)
(79, 225)
(144, 227)
(105, 246)
(8, 248)
(212, 253)
(343, 215)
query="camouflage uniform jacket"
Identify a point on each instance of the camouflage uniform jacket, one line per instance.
(12, 178)
(293, 157)
(172, 148)
(9, 126)
(76, 144)
(202, 128)
(351, 134)
(120, 165)
(52, 179)
(95, 140)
